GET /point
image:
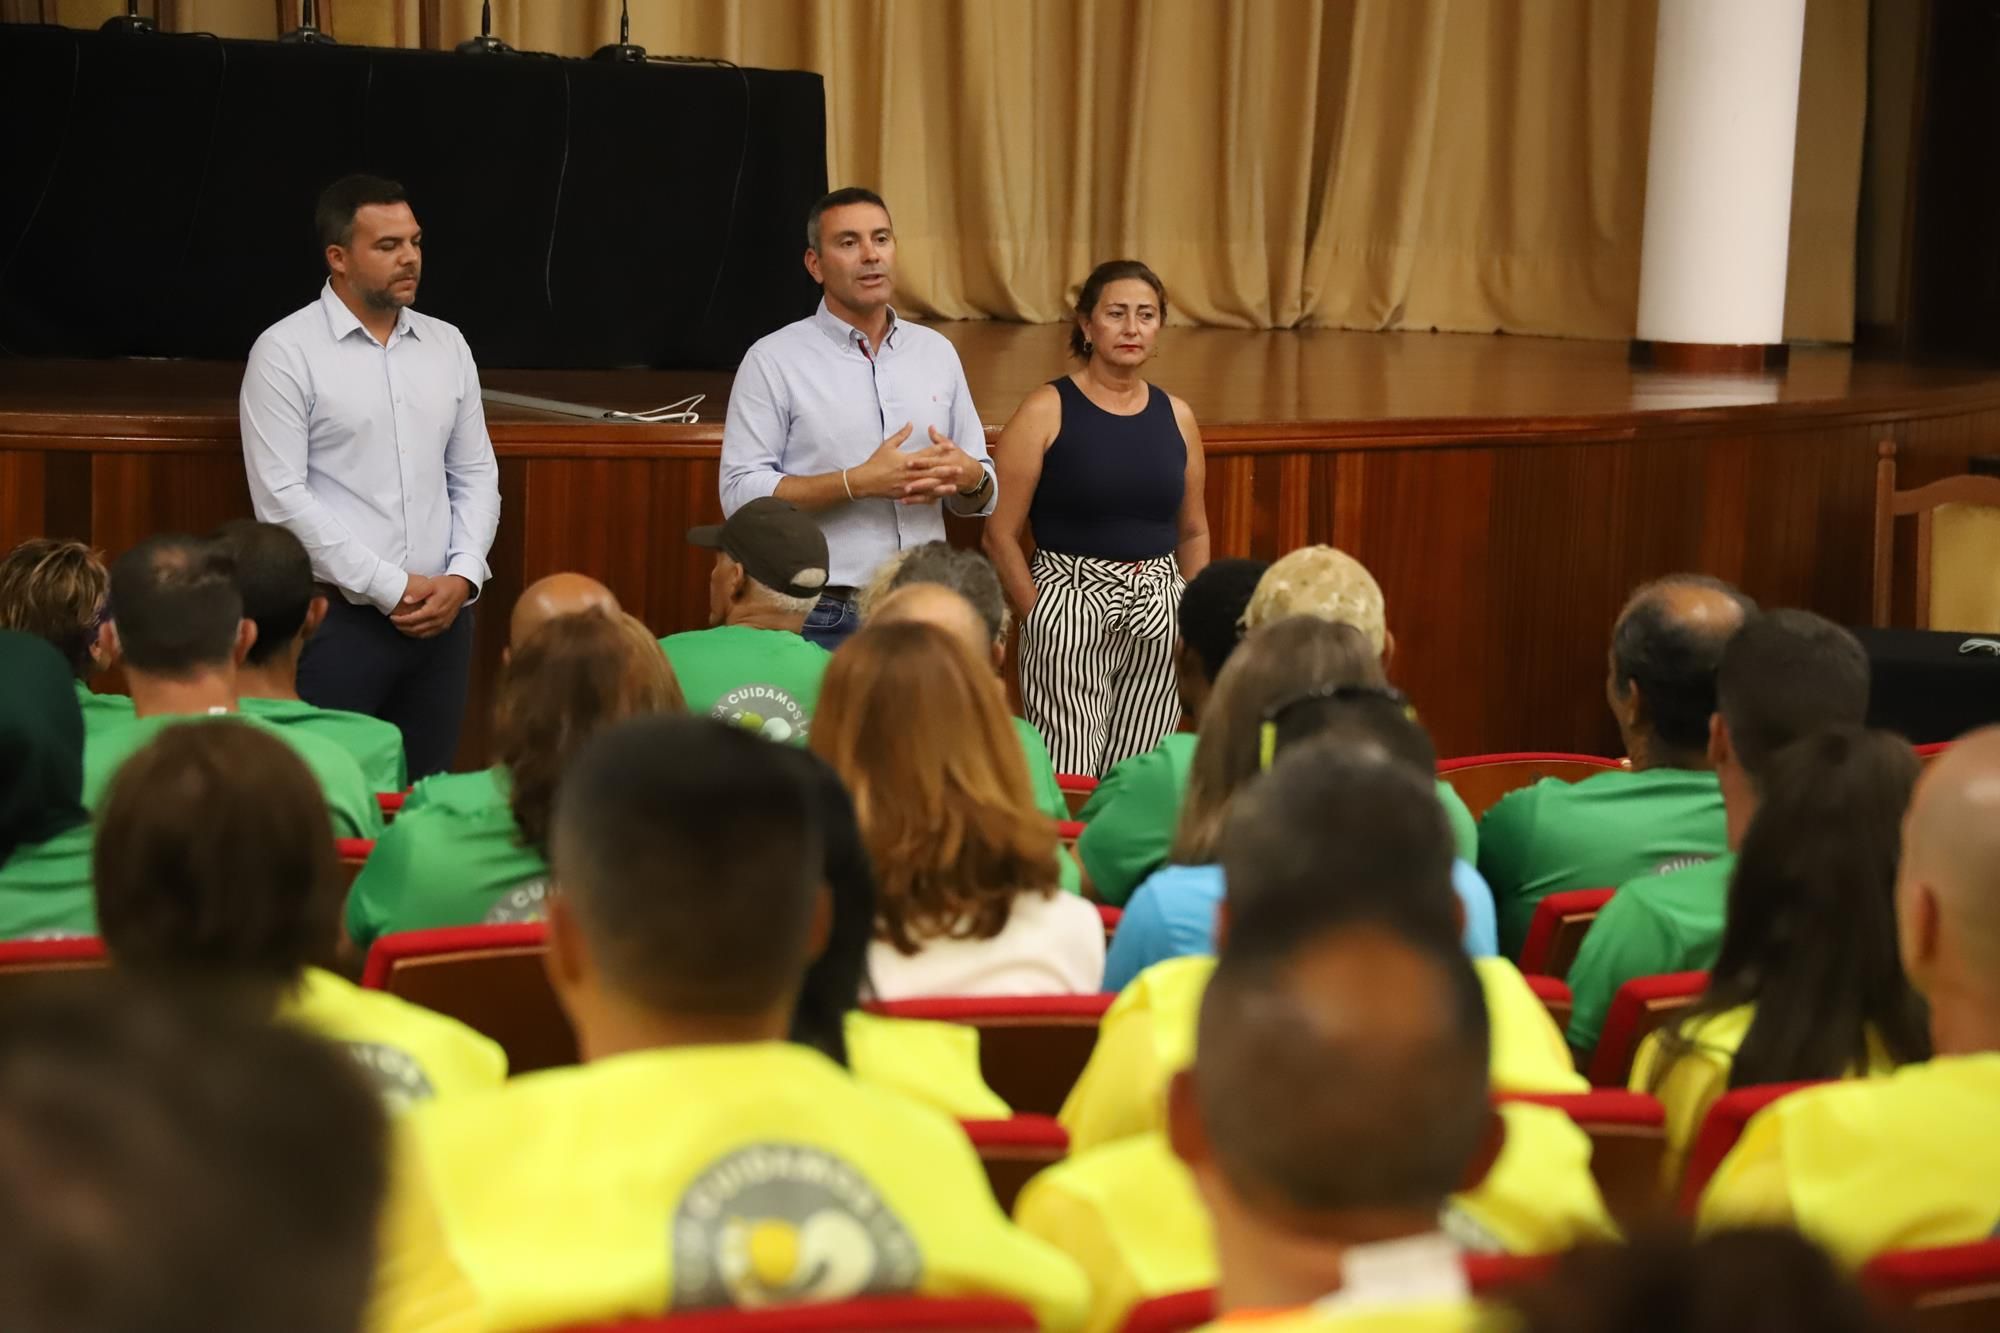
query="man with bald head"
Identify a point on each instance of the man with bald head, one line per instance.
(1663, 811)
(1908, 1159)
(551, 597)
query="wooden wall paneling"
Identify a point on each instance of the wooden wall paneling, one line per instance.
(684, 495)
(22, 497)
(1230, 493)
(491, 614)
(592, 515)
(136, 495)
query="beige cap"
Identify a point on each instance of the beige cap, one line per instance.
(1323, 582)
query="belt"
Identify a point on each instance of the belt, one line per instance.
(838, 593)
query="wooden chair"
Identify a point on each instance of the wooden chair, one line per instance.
(1950, 1289)
(1111, 916)
(1555, 995)
(1032, 1048)
(1641, 1007)
(1720, 1129)
(1076, 789)
(489, 978)
(1923, 501)
(391, 803)
(879, 1314)
(1556, 931)
(1013, 1150)
(1482, 779)
(1628, 1143)
(30, 965)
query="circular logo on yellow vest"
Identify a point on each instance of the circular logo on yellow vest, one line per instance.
(765, 709)
(778, 1223)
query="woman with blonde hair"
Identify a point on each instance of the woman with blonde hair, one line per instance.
(965, 865)
(472, 848)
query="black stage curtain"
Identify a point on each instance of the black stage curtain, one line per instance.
(157, 192)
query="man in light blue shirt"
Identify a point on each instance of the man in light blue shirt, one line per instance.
(855, 416)
(364, 435)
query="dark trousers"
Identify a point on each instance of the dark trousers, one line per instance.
(361, 662)
(833, 621)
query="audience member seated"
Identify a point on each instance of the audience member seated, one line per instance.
(1128, 1211)
(1148, 1032)
(1278, 668)
(1665, 810)
(274, 575)
(1128, 822)
(476, 851)
(1908, 1159)
(179, 626)
(215, 872)
(696, 1159)
(966, 868)
(168, 1169)
(1807, 983)
(1768, 1280)
(60, 591)
(937, 604)
(752, 667)
(1784, 675)
(972, 577)
(44, 829)
(1338, 1096)
(1329, 584)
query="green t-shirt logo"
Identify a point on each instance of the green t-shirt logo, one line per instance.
(765, 709)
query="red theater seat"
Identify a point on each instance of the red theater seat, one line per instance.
(1556, 931)
(1641, 1007)
(1482, 779)
(1032, 1048)
(1951, 1289)
(1628, 1142)
(1720, 1129)
(1076, 790)
(487, 977)
(1554, 994)
(1013, 1150)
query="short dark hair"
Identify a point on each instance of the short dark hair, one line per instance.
(180, 1168)
(56, 590)
(1785, 675)
(176, 606)
(1087, 297)
(841, 198)
(836, 982)
(274, 574)
(1310, 1102)
(333, 216)
(1673, 661)
(693, 857)
(214, 857)
(1212, 607)
(967, 573)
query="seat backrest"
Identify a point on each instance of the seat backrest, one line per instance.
(352, 854)
(391, 803)
(1556, 931)
(1641, 1007)
(1482, 779)
(959, 1314)
(1628, 1143)
(487, 977)
(1720, 1129)
(31, 966)
(1032, 1048)
(1923, 502)
(1555, 996)
(1951, 1288)
(1076, 789)
(1013, 1150)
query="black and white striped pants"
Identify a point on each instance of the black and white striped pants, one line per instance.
(1097, 657)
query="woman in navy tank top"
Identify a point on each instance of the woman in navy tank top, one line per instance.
(1106, 470)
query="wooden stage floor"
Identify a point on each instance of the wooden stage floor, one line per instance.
(1508, 492)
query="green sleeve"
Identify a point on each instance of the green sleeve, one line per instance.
(1629, 939)
(1128, 825)
(356, 813)
(1503, 851)
(1464, 829)
(375, 899)
(1049, 797)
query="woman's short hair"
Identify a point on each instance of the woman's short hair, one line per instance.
(1274, 664)
(573, 677)
(56, 590)
(1092, 291)
(214, 855)
(911, 722)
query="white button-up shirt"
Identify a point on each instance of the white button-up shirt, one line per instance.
(808, 399)
(376, 457)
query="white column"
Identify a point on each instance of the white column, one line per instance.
(1719, 171)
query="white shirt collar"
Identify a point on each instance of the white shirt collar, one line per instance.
(1417, 1270)
(341, 321)
(838, 329)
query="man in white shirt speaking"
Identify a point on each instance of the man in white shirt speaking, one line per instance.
(364, 435)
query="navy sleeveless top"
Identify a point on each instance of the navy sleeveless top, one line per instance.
(1111, 485)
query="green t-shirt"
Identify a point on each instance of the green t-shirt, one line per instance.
(1049, 798)
(766, 680)
(1612, 827)
(377, 746)
(452, 859)
(350, 801)
(1652, 925)
(1128, 822)
(45, 888)
(102, 711)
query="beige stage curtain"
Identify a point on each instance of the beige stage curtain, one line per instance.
(1384, 164)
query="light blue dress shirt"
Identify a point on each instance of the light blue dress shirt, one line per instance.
(808, 399)
(1172, 915)
(376, 457)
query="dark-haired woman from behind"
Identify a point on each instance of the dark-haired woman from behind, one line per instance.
(1106, 469)
(1808, 983)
